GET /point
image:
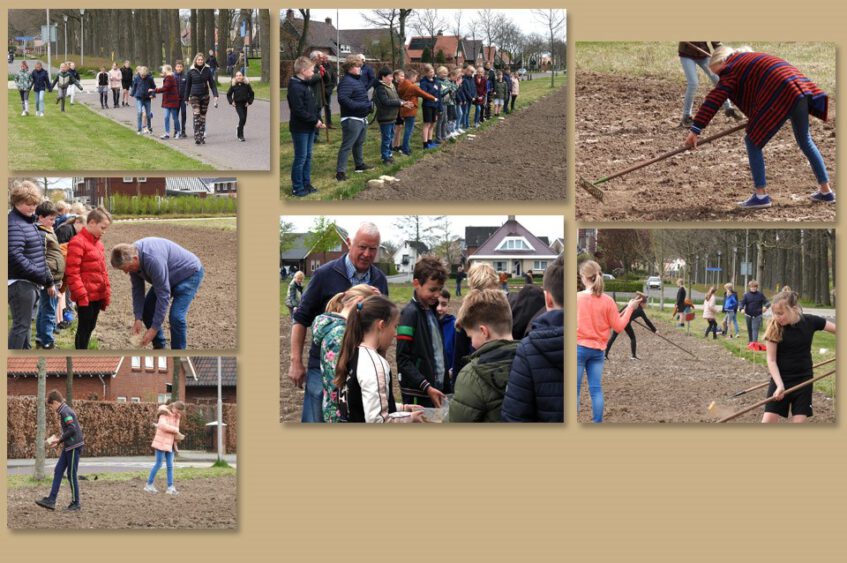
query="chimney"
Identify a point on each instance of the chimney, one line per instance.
(328, 21)
(511, 218)
(440, 32)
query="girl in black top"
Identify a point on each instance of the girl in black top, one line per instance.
(103, 87)
(680, 301)
(633, 345)
(789, 346)
(126, 82)
(240, 95)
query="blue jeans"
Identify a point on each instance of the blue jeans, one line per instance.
(168, 457)
(387, 132)
(45, 321)
(477, 116)
(799, 116)
(301, 168)
(408, 129)
(143, 106)
(466, 116)
(732, 317)
(689, 67)
(753, 326)
(171, 113)
(313, 397)
(460, 117)
(591, 361)
(39, 101)
(182, 294)
(68, 461)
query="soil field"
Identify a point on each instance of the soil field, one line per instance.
(668, 385)
(207, 503)
(522, 158)
(621, 121)
(291, 398)
(212, 317)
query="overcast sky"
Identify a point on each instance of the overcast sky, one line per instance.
(551, 226)
(352, 19)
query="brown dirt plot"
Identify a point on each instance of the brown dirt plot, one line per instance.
(621, 121)
(668, 385)
(212, 317)
(208, 503)
(521, 158)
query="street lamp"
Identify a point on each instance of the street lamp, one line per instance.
(65, 17)
(81, 38)
(718, 273)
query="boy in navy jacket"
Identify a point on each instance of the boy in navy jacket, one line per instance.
(72, 443)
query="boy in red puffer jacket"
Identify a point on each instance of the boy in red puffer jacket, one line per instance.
(86, 275)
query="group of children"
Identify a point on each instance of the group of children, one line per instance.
(179, 89)
(500, 379)
(72, 441)
(754, 304)
(55, 257)
(788, 338)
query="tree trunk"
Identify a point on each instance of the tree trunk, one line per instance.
(176, 33)
(823, 260)
(834, 269)
(224, 27)
(209, 35)
(265, 43)
(69, 386)
(41, 420)
(194, 32)
(176, 378)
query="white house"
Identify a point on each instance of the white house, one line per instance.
(407, 255)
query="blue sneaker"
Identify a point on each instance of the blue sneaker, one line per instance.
(756, 202)
(828, 197)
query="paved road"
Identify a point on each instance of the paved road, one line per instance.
(222, 150)
(90, 465)
(285, 114)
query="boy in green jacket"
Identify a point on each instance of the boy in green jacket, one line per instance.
(479, 389)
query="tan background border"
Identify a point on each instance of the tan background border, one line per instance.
(499, 493)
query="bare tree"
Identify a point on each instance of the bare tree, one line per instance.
(457, 31)
(265, 43)
(304, 33)
(487, 22)
(386, 17)
(429, 23)
(402, 17)
(554, 21)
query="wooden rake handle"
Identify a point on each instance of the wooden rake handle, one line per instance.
(765, 383)
(769, 399)
(668, 340)
(676, 151)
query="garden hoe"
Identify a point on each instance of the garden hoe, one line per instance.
(668, 340)
(766, 383)
(769, 399)
(593, 187)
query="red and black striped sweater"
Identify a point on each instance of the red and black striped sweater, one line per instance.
(765, 88)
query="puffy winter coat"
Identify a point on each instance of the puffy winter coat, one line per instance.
(198, 81)
(537, 379)
(240, 93)
(167, 427)
(481, 385)
(303, 106)
(353, 97)
(85, 270)
(26, 250)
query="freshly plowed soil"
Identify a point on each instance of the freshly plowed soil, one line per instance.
(522, 158)
(209, 503)
(621, 121)
(668, 385)
(212, 317)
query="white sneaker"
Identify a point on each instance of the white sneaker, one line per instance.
(151, 489)
(23, 113)
(172, 491)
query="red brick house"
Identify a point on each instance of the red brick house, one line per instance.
(94, 191)
(204, 388)
(128, 379)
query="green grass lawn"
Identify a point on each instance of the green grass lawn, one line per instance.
(738, 346)
(660, 59)
(324, 155)
(181, 473)
(63, 339)
(79, 139)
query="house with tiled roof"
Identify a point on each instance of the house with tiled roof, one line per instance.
(204, 388)
(201, 187)
(407, 256)
(449, 45)
(513, 249)
(127, 379)
(374, 43)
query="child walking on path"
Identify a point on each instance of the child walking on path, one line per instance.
(179, 76)
(72, 441)
(789, 339)
(40, 84)
(23, 82)
(45, 322)
(730, 309)
(72, 89)
(363, 374)
(143, 89)
(597, 315)
(115, 78)
(240, 95)
(126, 82)
(64, 80)
(709, 311)
(770, 92)
(103, 87)
(753, 305)
(86, 276)
(164, 443)
(170, 102)
(328, 333)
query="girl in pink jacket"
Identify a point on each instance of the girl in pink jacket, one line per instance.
(167, 434)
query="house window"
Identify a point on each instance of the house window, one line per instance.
(136, 363)
(127, 180)
(148, 363)
(163, 398)
(514, 243)
(120, 400)
(500, 266)
(315, 265)
(142, 180)
(539, 265)
(163, 364)
(135, 400)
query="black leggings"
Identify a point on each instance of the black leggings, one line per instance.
(514, 97)
(632, 342)
(241, 110)
(713, 328)
(86, 321)
(116, 97)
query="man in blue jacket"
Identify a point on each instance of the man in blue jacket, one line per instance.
(354, 268)
(175, 275)
(535, 391)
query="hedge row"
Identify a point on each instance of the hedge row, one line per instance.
(180, 205)
(623, 285)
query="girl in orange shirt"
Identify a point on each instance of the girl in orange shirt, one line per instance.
(597, 316)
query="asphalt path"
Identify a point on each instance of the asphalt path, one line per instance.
(93, 465)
